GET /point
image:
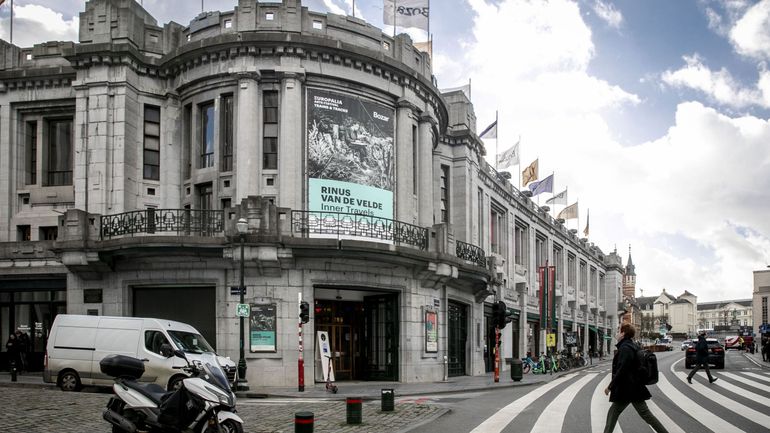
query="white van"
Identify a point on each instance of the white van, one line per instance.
(77, 344)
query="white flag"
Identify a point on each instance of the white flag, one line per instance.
(509, 158)
(406, 13)
(560, 198)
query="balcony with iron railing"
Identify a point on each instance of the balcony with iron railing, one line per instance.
(175, 222)
(471, 253)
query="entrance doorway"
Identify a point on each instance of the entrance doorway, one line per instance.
(457, 334)
(363, 330)
(164, 303)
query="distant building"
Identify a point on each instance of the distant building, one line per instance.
(759, 300)
(678, 312)
(720, 314)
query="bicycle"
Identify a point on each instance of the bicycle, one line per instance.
(527, 364)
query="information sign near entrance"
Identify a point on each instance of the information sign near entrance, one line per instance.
(242, 310)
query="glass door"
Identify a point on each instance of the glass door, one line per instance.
(458, 336)
(381, 337)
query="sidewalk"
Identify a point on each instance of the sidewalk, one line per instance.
(365, 390)
(756, 358)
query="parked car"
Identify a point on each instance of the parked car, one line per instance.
(716, 354)
(686, 344)
(665, 342)
(77, 343)
(732, 342)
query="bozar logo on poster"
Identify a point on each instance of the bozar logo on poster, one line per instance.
(377, 115)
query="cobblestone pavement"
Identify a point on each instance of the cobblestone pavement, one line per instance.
(26, 410)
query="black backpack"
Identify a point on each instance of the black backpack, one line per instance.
(648, 366)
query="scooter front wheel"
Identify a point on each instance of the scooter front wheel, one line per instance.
(226, 426)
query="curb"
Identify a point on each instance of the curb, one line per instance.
(757, 363)
(28, 385)
(426, 421)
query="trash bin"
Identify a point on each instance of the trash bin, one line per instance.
(386, 395)
(516, 371)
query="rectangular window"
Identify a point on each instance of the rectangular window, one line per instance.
(151, 142)
(520, 240)
(481, 217)
(269, 16)
(414, 159)
(541, 253)
(270, 130)
(205, 196)
(23, 233)
(30, 138)
(583, 277)
(593, 281)
(187, 141)
(764, 309)
(226, 127)
(497, 229)
(226, 203)
(49, 233)
(444, 193)
(571, 271)
(59, 161)
(228, 24)
(558, 258)
(318, 25)
(207, 136)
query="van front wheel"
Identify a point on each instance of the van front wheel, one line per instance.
(69, 381)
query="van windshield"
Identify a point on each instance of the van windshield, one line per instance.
(189, 342)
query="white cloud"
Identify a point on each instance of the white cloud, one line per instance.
(694, 187)
(608, 13)
(333, 8)
(718, 85)
(34, 24)
(751, 33)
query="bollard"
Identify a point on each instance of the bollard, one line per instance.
(14, 372)
(386, 396)
(303, 422)
(354, 410)
(446, 369)
(516, 369)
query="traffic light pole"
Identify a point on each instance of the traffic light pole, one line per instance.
(300, 359)
(497, 354)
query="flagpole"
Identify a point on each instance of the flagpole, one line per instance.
(354, 8)
(11, 22)
(394, 18)
(497, 138)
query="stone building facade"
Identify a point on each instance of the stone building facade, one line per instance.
(129, 156)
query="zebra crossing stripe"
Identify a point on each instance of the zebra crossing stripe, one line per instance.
(761, 377)
(664, 419)
(705, 417)
(600, 405)
(748, 382)
(742, 392)
(728, 403)
(497, 422)
(552, 418)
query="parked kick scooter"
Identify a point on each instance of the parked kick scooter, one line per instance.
(330, 386)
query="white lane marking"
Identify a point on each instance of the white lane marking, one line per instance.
(497, 422)
(600, 405)
(704, 417)
(667, 422)
(742, 392)
(761, 377)
(552, 418)
(726, 402)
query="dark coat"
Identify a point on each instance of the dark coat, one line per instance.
(701, 350)
(625, 385)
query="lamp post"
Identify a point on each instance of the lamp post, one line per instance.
(243, 385)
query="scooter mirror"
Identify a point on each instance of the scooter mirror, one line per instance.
(166, 350)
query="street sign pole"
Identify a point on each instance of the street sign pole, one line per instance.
(300, 359)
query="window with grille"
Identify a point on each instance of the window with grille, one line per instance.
(207, 135)
(151, 142)
(444, 193)
(270, 130)
(59, 161)
(226, 126)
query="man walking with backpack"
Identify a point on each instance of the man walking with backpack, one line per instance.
(628, 385)
(701, 358)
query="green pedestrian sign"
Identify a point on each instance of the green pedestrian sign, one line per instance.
(242, 310)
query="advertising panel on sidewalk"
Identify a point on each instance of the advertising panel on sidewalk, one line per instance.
(350, 161)
(431, 331)
(325, 352)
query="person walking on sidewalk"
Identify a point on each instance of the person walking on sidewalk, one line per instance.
(701, 358)
(764, 349)
(626, 387)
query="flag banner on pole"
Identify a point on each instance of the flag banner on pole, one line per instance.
(541, 294)
(509, 158)
(406, 13)
(588, 221)
(529, 174)
(490, 132)
(541, 186)
(427, 47)
(465, 89)
(569, 212)
(552, 297)
(560, 198)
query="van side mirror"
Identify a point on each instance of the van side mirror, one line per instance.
(166, 350)
(180, 354)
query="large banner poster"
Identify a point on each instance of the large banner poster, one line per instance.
(350, 155)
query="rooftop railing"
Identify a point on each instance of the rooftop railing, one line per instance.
(181, 222)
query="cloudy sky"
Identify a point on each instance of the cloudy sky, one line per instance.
(653, 113)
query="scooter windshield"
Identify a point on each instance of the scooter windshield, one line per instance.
(214, 373)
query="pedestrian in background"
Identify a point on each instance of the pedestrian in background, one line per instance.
(701, 358)
(626, 386)
(12, 346)
(764, 349)
(23, 340)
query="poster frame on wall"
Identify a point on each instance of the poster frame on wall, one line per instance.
(431, 330)
(263, 328)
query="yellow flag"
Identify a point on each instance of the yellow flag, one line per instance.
(529, 174)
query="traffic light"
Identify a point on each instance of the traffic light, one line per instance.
(304, 312)
(500, 314)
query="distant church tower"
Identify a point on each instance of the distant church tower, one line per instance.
(629, 278)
